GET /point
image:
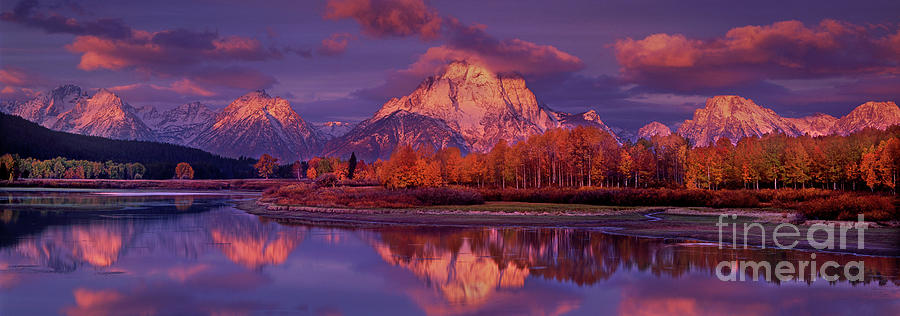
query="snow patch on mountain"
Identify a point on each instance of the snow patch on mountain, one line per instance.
(257, 124)
(653, 129)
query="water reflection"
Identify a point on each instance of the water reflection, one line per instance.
(254, 244)
(176, 254)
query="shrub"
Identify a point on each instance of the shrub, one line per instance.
(847, 207)
(446, 196)
(371, 197)
(327, 180)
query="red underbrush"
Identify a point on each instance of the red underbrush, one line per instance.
(370, 197)
(810, 203)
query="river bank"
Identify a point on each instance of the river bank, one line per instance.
(676, 224)
(170, 184)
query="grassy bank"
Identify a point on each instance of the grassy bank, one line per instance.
(815, 204)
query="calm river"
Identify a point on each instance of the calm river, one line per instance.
(142, 253)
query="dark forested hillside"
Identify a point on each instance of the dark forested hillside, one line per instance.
(19, 136)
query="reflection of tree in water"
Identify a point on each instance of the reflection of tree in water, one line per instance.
(244, 240)
(254, 243)
(467, 265)
(81, 200)
(183, 202)
(65, 240)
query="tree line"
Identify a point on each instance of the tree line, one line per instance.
(28, 139)
(13, 167)
(591, 157)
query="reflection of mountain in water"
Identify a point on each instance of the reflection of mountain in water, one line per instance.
(462, 277)
(63, 241)
(469, 265)
(254, 244)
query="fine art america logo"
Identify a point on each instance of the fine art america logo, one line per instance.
(788, 236)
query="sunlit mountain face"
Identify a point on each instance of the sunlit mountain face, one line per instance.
(176, 260)
(364, 75)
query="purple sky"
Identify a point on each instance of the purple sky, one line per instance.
(632, 61)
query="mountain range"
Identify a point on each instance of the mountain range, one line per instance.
(734, 117)
(465, 106)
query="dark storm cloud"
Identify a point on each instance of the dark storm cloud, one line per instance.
(386, 18)
(27, 12)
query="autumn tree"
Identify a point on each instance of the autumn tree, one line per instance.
(311, 173)
(626, 164)
(266, 165)
(450, 161)
(297, 169)
(796, 164)
(184, 171)
(10, 166)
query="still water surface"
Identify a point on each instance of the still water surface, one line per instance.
(121, 253)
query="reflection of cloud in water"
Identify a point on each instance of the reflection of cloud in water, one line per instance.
(705, 296)
(152, 299)
(7, 280)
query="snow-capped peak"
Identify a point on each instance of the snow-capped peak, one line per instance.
(654, 129)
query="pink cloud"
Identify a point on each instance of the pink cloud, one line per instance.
(158, 53)
(335, 44)
(15, 93)
(782, 50)
(385, 18)
(382, 18)
(473, 44)
(198, 62)
(513, 55)
(18, 84)
(15, 77)
(180, 87)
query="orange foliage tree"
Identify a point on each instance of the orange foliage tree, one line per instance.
(266, 165)
(184, 171)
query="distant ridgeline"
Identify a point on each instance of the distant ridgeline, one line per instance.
(27, 139)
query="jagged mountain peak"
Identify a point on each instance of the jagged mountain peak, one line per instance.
(106, 98)
(872, 114)
(477, 103)
(654, 129)
(733, 117)
(46, 106)
(104, 114)
(374, 139)
(257, 123)
(592, 116)
(874, 107)
(818, 124)
(66, 89)
(729, 105)
(465, 71)
(333, 129)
